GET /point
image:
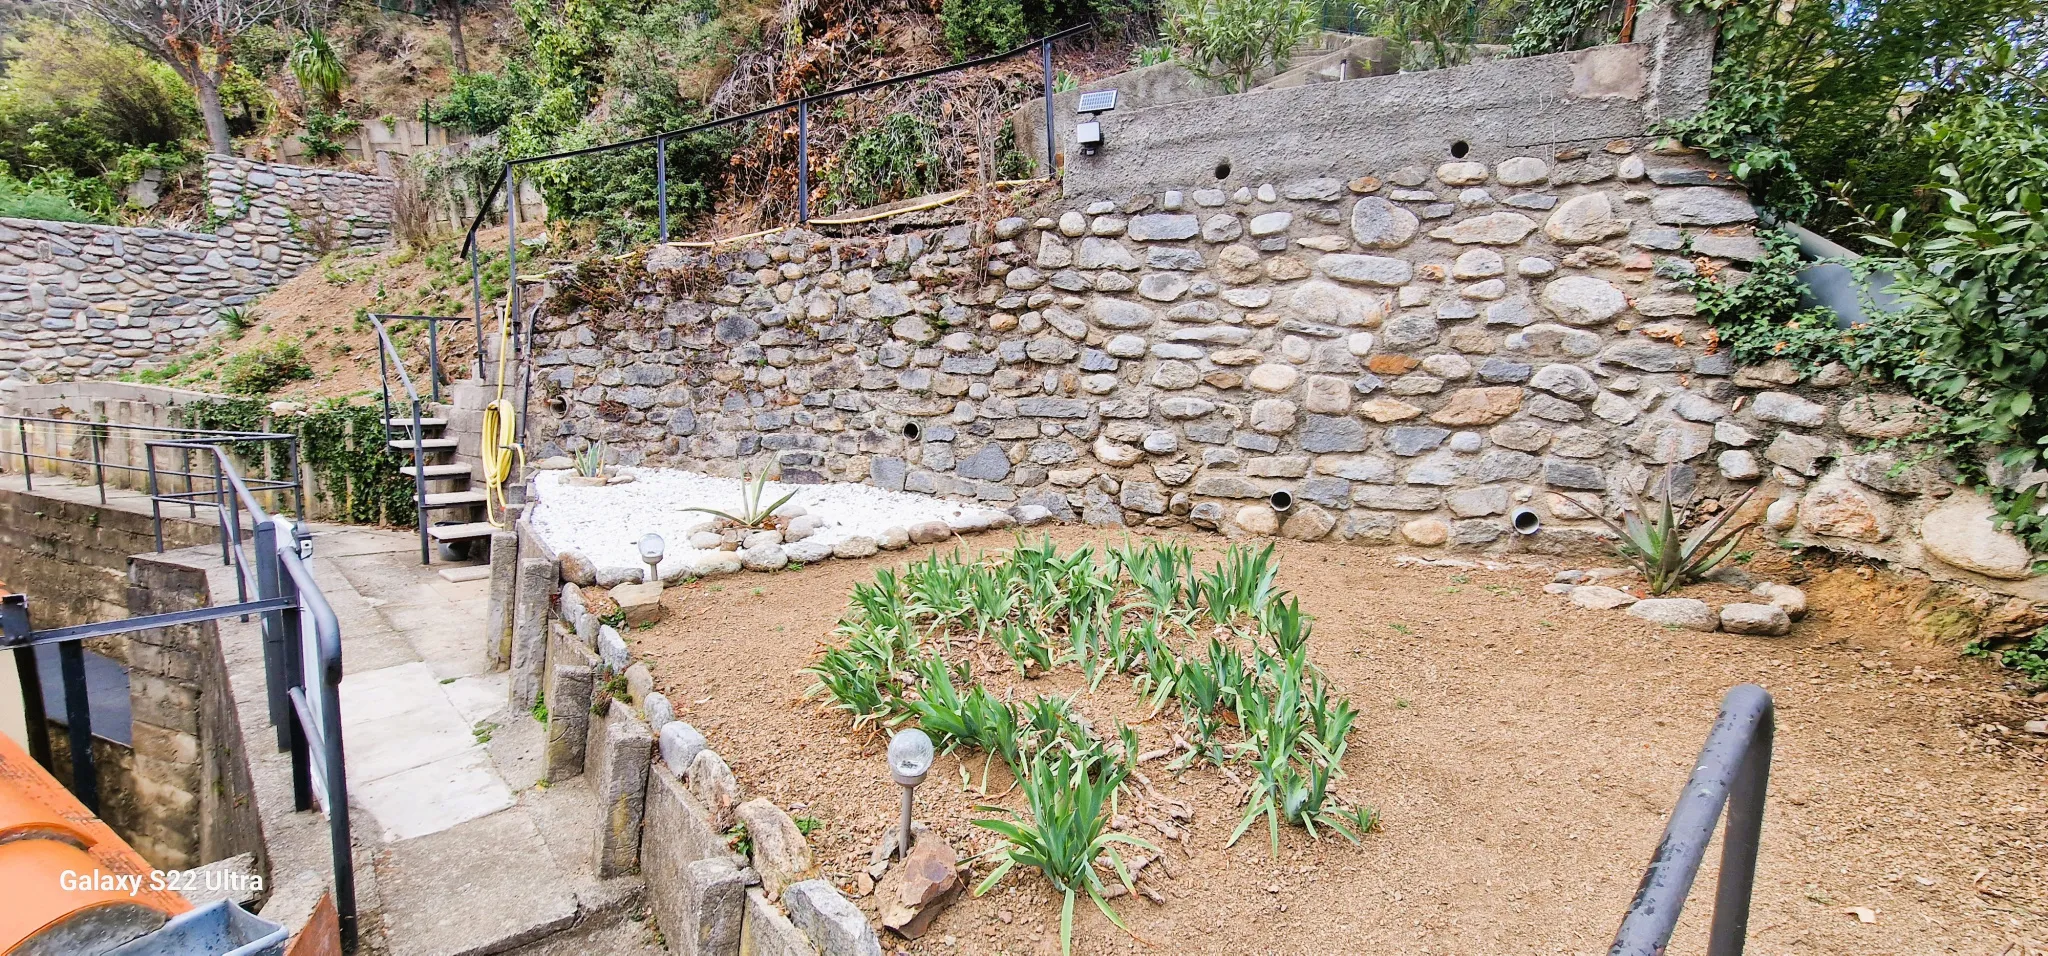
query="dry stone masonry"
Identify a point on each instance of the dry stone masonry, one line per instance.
(80, 300)
(1411, 355)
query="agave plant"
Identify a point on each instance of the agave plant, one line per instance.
(590, 461)
(1651, 539)
(751, 515)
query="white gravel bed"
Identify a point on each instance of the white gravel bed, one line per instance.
(605, 523)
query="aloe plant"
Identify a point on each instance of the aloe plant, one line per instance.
(751, 515)
(1652, 539)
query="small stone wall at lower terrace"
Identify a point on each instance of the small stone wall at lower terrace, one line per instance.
(80, 300)
(1412, 354)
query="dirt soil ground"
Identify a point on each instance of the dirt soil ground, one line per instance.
(1523, 753)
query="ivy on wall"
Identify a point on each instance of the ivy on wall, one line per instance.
(344, 445)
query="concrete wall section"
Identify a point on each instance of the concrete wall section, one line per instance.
(1496, 109)
(79, 300)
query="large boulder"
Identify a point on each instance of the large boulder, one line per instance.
(1964, 533)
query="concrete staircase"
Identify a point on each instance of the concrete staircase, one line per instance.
(451, 500)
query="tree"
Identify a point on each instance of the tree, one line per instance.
(1230, 41)
(452, 10)
(195, 38)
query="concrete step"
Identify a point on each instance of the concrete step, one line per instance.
(429, 444)
(466, 572)
(454, 470)
(460, 532)
(406, 422)
(453, 499)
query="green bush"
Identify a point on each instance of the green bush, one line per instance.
(322, 130)
(19, 200)
(975, 27)
(265, 370)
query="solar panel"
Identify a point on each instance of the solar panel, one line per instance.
(1100, 101)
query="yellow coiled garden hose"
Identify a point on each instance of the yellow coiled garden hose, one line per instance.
(500, 437)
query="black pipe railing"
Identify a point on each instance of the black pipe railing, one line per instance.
(256, 449)
(302, 671)
(1733, 771)
(508, 184)
(387, 358)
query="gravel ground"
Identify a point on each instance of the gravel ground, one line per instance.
(606, 523)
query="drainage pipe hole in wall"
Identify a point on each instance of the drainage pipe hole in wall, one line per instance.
(1459, 149)
(913, 431)
(1281, 500)
(1223, 169)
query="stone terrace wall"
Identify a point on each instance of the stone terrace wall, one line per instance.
(80, 300)
(1412, 354)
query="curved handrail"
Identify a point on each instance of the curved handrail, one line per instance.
(1733, 770)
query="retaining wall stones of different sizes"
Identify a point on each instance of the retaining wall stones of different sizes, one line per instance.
(80, 300)
(1411, 353)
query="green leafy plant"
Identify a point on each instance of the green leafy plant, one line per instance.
(1653, 539)
(261, 371)
(2029, 657)
(1231, 41)
(982, 26)
(895, 160)
(751, 514)
(1759, 318)
(1065, 831)
(317, 66)
(324, 130)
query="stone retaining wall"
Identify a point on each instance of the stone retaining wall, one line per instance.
(1411, 353)
(666, 799)
(80, 300)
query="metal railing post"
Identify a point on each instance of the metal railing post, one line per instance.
(156, 504)
(220, 511)
(1052, 168)
(269, 584)
(661, 184)
(298, 482)
(99, 470)
(419, 483)
(476, 303)
(803, 159)
(512, 244)
(434, 357)
(28, 464)
(78, 715)
(1733, 771)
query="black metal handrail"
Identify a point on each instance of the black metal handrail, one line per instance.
(434, 342)
(1734, 770)
(304, 707)
(387, 356)
(99, 433)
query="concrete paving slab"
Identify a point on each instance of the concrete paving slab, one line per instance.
(433, 797)
(375, 695)
(466, 572)
(379, 748)
(472, 889)
(476, 698)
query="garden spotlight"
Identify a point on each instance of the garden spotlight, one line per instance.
(651, 549)
(910, 758)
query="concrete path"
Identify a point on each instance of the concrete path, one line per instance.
(466, 853)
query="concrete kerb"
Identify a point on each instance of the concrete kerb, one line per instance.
(707, 899)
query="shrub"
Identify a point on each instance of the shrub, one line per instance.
(1231, 40)
(895, 160)
(265, 370)
(1759, 318)
(322, 130)
(974, 27)
(19, 200)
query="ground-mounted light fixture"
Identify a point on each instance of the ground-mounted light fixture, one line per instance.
(1088, 131)
(910, 758)
(651, 550)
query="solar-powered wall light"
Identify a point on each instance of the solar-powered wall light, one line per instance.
(1088, 132)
